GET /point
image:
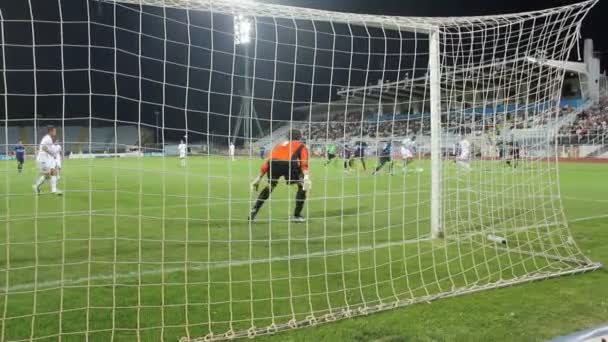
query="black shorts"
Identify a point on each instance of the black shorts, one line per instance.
(384, 159)
(516, 154)
(283, 168)
(331, 156)
(20, 159)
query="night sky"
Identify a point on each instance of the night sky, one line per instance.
(594, 26)
(147, 86)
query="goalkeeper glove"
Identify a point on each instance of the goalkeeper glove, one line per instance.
(255, 184)
(307, 183)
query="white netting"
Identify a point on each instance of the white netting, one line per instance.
(444, 180)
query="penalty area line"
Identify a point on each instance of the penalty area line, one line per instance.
(588, 218)
(566, 198)
(216, 265)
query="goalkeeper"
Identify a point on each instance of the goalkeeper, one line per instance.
(289, 160)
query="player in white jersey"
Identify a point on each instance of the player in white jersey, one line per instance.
(464, 154)
(46, 162)
(182, 149)
(408, 150)
(231, 150)
(58, 158)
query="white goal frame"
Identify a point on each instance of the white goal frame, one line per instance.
(560, 247)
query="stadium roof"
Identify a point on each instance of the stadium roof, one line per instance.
(577, 67)
(489, 77)
(369, 97)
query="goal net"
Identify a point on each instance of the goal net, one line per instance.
(430, 148)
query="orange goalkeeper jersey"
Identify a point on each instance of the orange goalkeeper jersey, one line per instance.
(293, 151)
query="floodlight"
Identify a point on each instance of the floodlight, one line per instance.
(242, 30)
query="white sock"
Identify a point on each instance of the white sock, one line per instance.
(53, 183)
(40, 181)
(464, 164)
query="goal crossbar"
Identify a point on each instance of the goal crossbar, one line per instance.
(431, 144)
(401, 23)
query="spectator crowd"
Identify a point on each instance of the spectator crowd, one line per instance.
(590, 127)
(353, 125)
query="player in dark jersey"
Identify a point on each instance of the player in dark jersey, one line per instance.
(515, 154)
(386, 157)
(506, 153)
(289, 160)
(360, 153)
(509, 152)
(262, 151)
(501, 151)
(20, 155)
(347, 154)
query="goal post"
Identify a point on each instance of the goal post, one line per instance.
(436, 167)
(430, 148)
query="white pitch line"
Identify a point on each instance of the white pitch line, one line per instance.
(215, 265)
(130, 275)
(584, 199)
(588, 218)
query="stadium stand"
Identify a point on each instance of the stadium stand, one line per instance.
(79, 139)
(590, 126)
(577, 122)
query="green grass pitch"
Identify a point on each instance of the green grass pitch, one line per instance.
(115, 261)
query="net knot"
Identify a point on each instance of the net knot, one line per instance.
(363, 310)
(330, 317)
(252, 332)
(312, 320)
(272, 328)
(230, 334)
